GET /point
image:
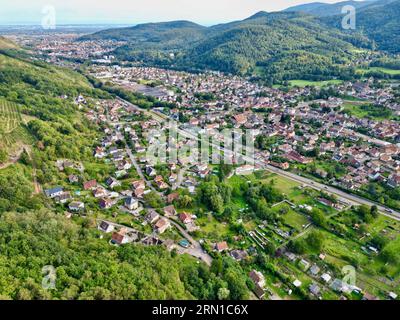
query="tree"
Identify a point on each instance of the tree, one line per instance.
(216, 203)
(185, 201)
(224, 171)
(379, 241)
(25, 158)
(318, 217)
(217, 266)
(389, 255)
(365, 213)
(374, 211)
(298, 246)
(154, 200)
(223, 294)
(236, 285)
(315, 240)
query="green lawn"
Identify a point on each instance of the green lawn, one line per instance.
(378, 69)
(358, 110)
(304, 83)
(212, 229)
(295, 220)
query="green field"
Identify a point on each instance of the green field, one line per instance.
(378, 69)
(295, 220)
(364, 110)
(305, 83)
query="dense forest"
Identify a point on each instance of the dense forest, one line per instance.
(86, 267)
(379, 21)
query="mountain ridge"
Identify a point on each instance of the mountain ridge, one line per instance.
(276, 46)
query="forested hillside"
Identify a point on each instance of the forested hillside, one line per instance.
(303, 42)
(34, 234)
(272, 46)
(328, 9)
(378, 21)
(86, 267)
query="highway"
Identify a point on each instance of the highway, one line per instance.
(341, 195)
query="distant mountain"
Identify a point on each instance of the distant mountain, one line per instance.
(164, 34)
(379, 21)
(326, 9)
(277, 45)
(304, 42)
(274, 46)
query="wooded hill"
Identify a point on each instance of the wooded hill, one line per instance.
(273, 46)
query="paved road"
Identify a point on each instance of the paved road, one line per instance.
(179, 180)
(196, 249)
(139, 170)
(343, 196)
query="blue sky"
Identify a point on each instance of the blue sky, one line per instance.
(138, 11)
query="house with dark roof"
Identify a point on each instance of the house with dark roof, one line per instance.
(106, 227)
(54, 192)
(131, 203)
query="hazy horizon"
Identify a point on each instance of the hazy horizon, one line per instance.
(102, 12)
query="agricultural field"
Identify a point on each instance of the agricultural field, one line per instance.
(379, 69)
(305, 83)
(10, 118)
(14, 136)
(345, 247)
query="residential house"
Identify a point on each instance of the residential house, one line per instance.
(106, 227)
(221, 246)
(238, 255)
(170, 211)
(151, 172)
(314, 270)
(394, 181)
(173, 178)
(113, 183)
(131, 203)
(245, 170)
(162, 225)
(172, 197)
(259, 281)
(54, 192)
(314, 289)
(106, 203)
(139, 184)
(296, 157)
(64, 197)
(119, 238)
(326, 277)
(152, 216)
(100, 193)
(76, 206)
(89, 185)
(72, 178)
(185, 217)
(240, 119)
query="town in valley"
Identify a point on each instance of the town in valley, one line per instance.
(312, 213)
